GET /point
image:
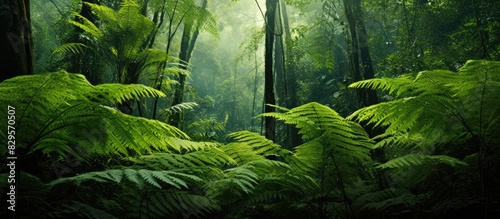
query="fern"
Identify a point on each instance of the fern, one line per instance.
(326, 134)
(75, 208)
(118, 40)
(259, 144)
(309, 174)
(75, 48)
(212, 157)
(436, 108)
(141, 178)
(437, 118)
(390, 198)
(180, 108)
(438, 101)
(412, 160)
(61, 113)
(240, 152)
(165, 203)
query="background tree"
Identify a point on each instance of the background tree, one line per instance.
(16, 41)
(269, 97)
(186, 49)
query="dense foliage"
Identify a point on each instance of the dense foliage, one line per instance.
(160, 109)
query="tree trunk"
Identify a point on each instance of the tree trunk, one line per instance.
(365, 97)
(183, 56)
(158, 82)
(366, 60)
(254, 91)
(279, 68)
(353, 48)
(187, 47)
(269, 98)
(16, 42)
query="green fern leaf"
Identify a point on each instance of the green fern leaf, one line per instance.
(411, 160)
(140, 178)
(75, 48)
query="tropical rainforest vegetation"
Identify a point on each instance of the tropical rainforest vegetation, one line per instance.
(250, 109)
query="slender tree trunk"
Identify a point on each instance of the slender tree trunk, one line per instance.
(366, 60)
(290, 76)
(16, 42)
(254, 90)
(359, 43)
(158, 18)
(353, 48)
(187, 47)
(183, 56)
(144, 7)
(279, 68)
(269, 98)
(483, 34)
(158, 82)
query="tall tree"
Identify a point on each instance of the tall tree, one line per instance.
(269, 97)
(187, 46)
(192, 16)
(15, 42)
(358, 51)
(366, 59)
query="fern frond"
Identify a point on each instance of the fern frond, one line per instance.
(108, 92)
(55, 110)
(170, 203)
(438, 101)
(411, 160)
(181, 107)
(395, 86)
(140, 178)
(206, 21)
(183, 144)
(260, 145)
(75, 48)
(381, 200)
(76, 208)
(87, 26)
(105, 13)
(327, 134)
(212, 157)
(239, 179)
(461, 202)
(240, 152)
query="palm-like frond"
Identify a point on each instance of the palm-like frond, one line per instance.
(436, 108)
(303, 178)
(75, 48)
(180, 107)
(87, 26)
(397, 199)
(118, 39)
(433, 113)
(211, 157)
(56, 111)
(438, 101)
(259, 144)
(141, 178)
(240, 152)
(205, 21)
(327, 134)
(172, 203)
(76, 208)
(414, 160)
